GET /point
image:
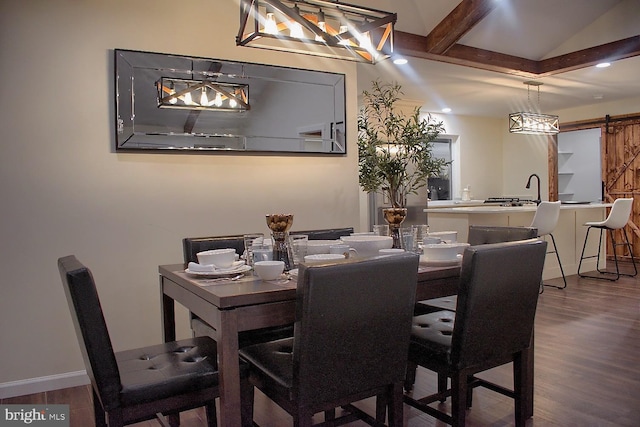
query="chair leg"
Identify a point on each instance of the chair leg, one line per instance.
(564, 279)
(410, 376)
(212, 416)
(395, 400)
(459, 384)
(246, 403)
(174, 419)
(612, 276)
(98, 411)
(519, 388)
(442, 385)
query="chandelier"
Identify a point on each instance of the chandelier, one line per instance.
(533, 123)
(326, 28)
(202, 95)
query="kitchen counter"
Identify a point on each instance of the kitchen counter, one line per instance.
(569, 233)
(462, 208)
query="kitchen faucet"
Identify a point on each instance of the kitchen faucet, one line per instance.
(538, 200)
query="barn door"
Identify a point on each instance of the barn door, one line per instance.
(621, 175)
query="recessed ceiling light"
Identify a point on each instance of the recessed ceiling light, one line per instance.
(400, 61)
(446, 110)
(603, 65)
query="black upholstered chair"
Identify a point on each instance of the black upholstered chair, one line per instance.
(484, 234)
(492, 326)
(191, 246)
(326, 234)
(135, 385)
(351, 338)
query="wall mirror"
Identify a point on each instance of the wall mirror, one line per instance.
(172, 102)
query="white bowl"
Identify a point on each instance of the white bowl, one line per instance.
(317, 258)
(269, 270)
(443, 251)
(221, 258)
(368, 245)
(320, 246)
(446, 236)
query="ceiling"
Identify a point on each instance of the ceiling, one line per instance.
(474, 56)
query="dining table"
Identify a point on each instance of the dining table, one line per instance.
(241, 303)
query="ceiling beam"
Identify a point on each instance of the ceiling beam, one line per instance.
(459, 21)
(415, 45)
(621, 49)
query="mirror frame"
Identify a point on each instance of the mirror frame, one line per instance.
(309, 117)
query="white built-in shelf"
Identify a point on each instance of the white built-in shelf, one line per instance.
(565, 152)
(565, 173)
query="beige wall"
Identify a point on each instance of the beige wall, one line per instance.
(64, 191)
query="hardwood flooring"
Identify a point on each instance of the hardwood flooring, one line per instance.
(587, 368)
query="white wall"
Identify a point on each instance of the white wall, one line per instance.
(64, 191)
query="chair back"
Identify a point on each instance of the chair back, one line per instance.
(326, 234)
(619, 215)
(497, 300)
(483, 234)
(192, 245)
(353, 324)
(91, 330)
(546, 217)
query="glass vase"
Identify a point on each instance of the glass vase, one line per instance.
(395, 217)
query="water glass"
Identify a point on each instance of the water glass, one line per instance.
(381, 229)
(408, 239)
(422, 231)
(298, 245)
(252, 241)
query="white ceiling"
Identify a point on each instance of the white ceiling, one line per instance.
(531, 29)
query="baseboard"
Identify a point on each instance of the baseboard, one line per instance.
(41, 384)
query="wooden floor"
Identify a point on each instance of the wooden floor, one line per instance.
(587, 368)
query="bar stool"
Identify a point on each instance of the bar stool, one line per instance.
(617, 219)
(545, 221)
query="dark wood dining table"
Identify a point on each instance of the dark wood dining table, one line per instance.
(231, 306)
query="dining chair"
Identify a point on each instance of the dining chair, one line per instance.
(144, 383)
(616, 220)
(545, 221)
(351, 337)
(191, 246)
(484, 234)
(325, 234)
(492, 326)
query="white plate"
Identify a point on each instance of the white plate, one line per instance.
(220, 273)
(440, 262)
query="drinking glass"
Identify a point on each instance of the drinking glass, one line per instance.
(422, 231)
(298, 244)
(252, 241)
(408, 238)
(381, 229)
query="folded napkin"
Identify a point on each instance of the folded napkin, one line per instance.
(201, 268)
(210, 268)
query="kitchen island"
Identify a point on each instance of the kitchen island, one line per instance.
(569, 233)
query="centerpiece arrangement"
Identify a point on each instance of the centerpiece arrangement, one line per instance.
(395, 150)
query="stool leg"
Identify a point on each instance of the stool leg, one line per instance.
(564, 279)
(633, 261)
(584, 245)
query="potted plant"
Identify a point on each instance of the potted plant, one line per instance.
(395, 150)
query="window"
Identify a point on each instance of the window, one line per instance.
(440, 187)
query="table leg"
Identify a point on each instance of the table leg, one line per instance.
(167, 306)
(229, 368)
